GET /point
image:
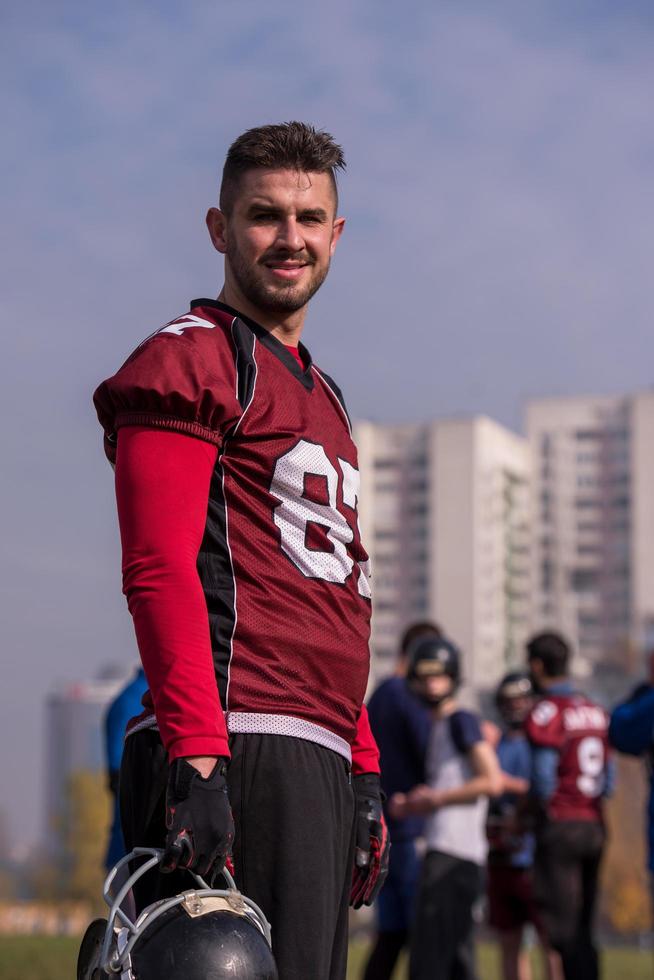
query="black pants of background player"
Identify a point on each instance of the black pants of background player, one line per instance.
(568, 855)
(293, 809)
(442, 946)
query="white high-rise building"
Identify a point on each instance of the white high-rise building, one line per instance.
(74, 741)
(593, 510)
(445, 517)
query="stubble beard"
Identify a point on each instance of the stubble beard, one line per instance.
(282, 298)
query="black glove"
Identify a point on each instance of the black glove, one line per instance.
(372, 842)
(198, 819)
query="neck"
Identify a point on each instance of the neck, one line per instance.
(287, 328)
(547, 682)
(445, 708)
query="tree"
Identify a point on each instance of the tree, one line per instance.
(84, 836)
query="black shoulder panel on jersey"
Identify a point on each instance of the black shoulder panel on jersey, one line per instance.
(269, 341)
(246, 368)
(216, 573)
(337, 391)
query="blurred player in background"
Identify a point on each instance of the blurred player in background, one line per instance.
(237, 482)
(400, 722)
(462, 772)
(570, 778)
(512, 903)
(632, 731)
(125, 706)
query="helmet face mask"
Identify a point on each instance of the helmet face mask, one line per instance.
(201, 932)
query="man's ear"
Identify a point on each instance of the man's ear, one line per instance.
(217, 225)
(337, 231)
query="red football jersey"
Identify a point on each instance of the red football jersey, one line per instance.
(284, 573)
(577, 729)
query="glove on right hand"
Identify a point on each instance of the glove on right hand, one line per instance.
(198, 818)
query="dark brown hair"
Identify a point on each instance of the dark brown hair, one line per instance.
(290, 145)
(552, 651)
(416, 630)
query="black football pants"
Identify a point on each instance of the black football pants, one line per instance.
(566, 870)
(293, 807)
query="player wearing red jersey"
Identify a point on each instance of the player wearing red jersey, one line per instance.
(570, 778)
(237, 485)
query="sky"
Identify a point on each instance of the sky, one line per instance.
(499, 199)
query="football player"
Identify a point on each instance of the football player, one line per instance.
(401, 723)
(237, 484)
(511, 900)
(570, 777)
(462, 772)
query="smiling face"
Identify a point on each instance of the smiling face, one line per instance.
(278, 240)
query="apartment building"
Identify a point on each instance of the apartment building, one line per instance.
(593, 525)
(445, 516)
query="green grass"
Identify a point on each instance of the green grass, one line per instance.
(48, 958)
(617, 964)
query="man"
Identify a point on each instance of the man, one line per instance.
(570, 777)
(511, 900)
(237, 483)
(124, 706)
(400, 722)
(632, 731)
(462, 772)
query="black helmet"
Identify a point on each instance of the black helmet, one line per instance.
(431, 655)
(202, 933)
(513, 697)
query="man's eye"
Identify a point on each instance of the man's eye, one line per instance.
(265, 216)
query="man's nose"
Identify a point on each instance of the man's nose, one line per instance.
(289, 235)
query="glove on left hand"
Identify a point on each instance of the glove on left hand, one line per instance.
(372, 842)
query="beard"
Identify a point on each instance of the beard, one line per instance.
(275, 298)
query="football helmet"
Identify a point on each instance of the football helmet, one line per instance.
(200, 934)
(429, 656)
(514, 697)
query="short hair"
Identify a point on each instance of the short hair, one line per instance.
(416, 630)
(552, 651)
(289, 145)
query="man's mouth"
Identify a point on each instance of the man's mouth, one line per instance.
(286, 269)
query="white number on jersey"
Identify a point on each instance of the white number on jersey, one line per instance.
(295, 511)
(591, 760)
(184, 322)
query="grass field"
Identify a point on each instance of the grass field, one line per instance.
(45, 958)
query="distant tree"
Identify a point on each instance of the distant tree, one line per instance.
(84, 836)
(625, 898)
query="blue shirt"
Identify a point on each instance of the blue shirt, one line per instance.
(125, 705)
(401, 724)
(632, 731)
(514, 756)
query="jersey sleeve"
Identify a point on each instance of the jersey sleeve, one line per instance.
(543, 726)
(162, 490)
(182, 379)
(632, 724)
(465, 730)
(365, 754)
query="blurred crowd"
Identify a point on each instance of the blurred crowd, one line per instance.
(505, 815)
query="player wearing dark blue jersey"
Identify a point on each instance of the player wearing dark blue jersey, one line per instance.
(632, 731)
(126, 705)
(400, 723)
